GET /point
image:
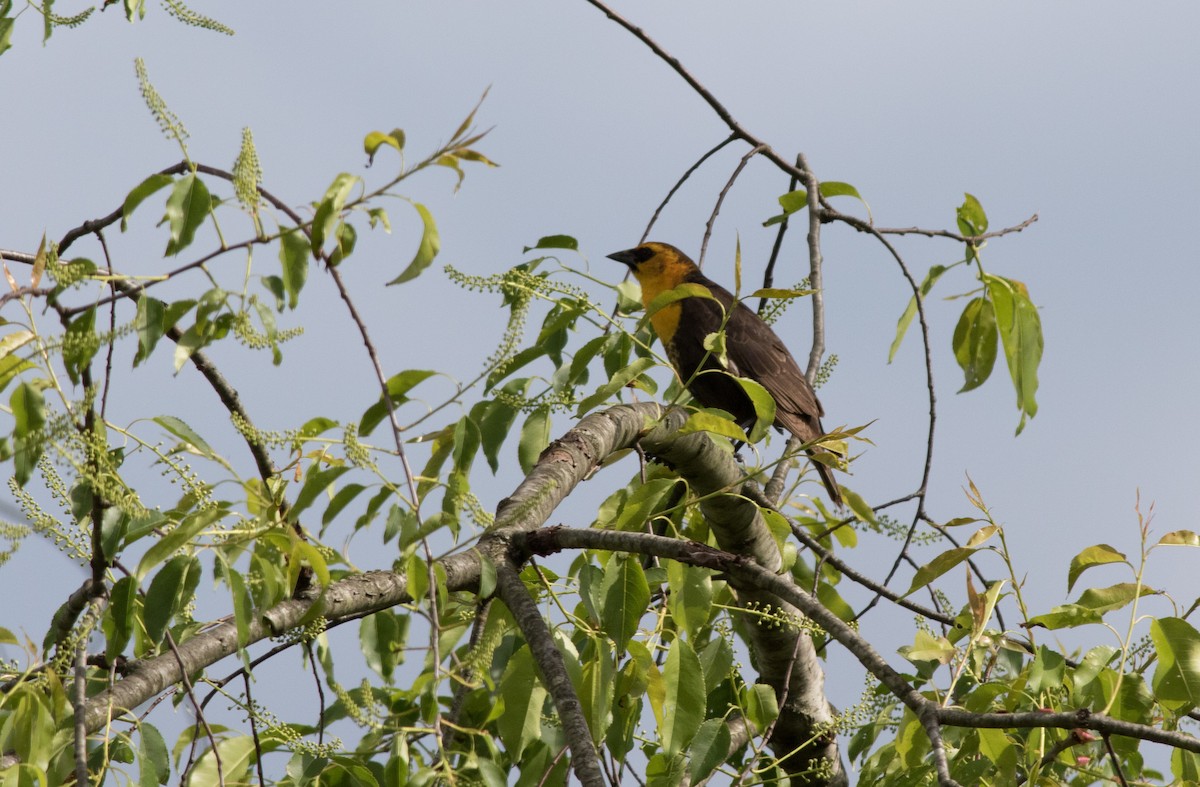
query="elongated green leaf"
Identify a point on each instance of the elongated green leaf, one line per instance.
(975, 341)
(938, 566)
(691, 599)
(524, 696)
(430, 244)
(243, 606)
(1098, 555)
(1066, 616)
(764, 408)
(494, 427)
(684, 703)
(1176, 681)
(163, 595)
(713, 422)
(80, 344)
(535, 436)
(910, 310)
(175, 539)
(315, 482)
(330, 208)
(596, 690)
(150, 326)
(398, 386)
(140, 192)
(709, 749)
(616, 383)
(237, 755)
(1113, 597)
(187, 207)
(119, 616)
(154, 765)
(626, 597)
(779, 294)
(185, 434)
(1021, 335)
(685, 290)
(555, 242)
(294, 254)
(29, 413)
(971, 218)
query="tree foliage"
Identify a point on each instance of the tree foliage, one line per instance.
(682, 632)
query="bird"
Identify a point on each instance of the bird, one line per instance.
(752, 349)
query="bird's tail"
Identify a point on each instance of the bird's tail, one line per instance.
(831, 485)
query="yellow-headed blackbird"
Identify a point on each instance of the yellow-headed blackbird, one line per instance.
(752, 349)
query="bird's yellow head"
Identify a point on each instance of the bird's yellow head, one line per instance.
(658, 267)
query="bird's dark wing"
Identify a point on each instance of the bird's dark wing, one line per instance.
(759, 354)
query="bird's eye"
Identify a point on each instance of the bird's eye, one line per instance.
(642, 253)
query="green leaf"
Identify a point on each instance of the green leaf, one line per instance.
(154, 765)
(859, 507)
(1021, 335)
(29, 412)
(330, 208)
(691, 599)
(1180, 538)
(140, 192)
(398, 386)
(340, 500)
(685, 290)
(764, 408)
(554, 242)
(1098, 555)
(1066, 616)
(938, 566)
(524, 696)
(1176, 681)
(294, 253)
(346, 238)
(149, 325)
(80, 344)
(186, 435)
(1113, 597)
(187, 207)
(626, 598)
(237, 754)
(494, 427)
(910, 310)
(714, 422)
(119, 616)
(927, 647)
(426, 251)
(315, 482)
(971, 218)
(535, 437)
(377, 636)
(791, 202)
(163, 596)
(175, 539)
(684, 703)
(243, 606)
(709, 749)
(596, 690)
(615, 383)
(975, 342)
(375, 139)
(762, 706)
(779, 294)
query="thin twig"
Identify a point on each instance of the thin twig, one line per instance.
(769, 273)
(971, 239)
(708, 227)
(680, 183)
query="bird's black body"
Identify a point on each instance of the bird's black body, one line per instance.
(752, 349)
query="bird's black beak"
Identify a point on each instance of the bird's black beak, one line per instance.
(628, 257)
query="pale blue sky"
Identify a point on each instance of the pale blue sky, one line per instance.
(1086, 114)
